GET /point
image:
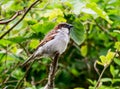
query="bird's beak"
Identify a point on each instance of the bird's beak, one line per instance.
(70, 26)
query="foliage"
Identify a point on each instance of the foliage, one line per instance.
(95, 37)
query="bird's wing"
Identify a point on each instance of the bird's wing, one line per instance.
(48, 37)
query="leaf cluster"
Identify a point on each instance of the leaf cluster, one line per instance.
(95, 36)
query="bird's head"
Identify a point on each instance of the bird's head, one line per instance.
(63, 25)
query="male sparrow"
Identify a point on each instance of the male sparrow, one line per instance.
(55, 41)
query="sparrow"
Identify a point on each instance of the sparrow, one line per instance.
(55, 41)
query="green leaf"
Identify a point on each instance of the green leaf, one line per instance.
(99, 11)
(117, 61)
(84, 50)
(110, 56)
(17, 39)
(78, 32)
(103, 60)
(77, 6)
(112, 70)
(44, 28)
(36, 36)
(115, 80)
(36, 27)
(74, 71)
(100, 63)
(4, 42)
(117, 45)
(8, 5)
(94, 0)
(91, 81)
(34, 43)
(79, 88)
(18, 74)
(106, 80)
(31, 22)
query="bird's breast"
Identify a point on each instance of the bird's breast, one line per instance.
(58, 44)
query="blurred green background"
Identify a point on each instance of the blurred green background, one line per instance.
(96, 31)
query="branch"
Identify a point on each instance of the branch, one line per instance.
(98, 82)
(26, 51)
(95, 67)
(13, 17)
(51, 76)
(106, 31)
(1, 19)
(27, 10)
(105, 67)
(13, 67)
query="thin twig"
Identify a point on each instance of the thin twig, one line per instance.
(39, 82)
(7, 87)
(96, 67)
(98, 82)
(26, 51)
(11, 68)
(106, 31)
(13, 17)
(12, 81)
(20, 81)
(27, 10)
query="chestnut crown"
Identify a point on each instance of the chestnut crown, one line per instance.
(63, 25)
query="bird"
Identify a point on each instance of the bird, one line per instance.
(55, 41)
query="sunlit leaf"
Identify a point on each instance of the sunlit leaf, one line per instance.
(44, 28)
(4, 42)
(110, 56)
(17, 39)
(36, 27)
(84, 50)
(99, 11)
(7, 5)
(103, 60)
(77, 6)
(100, 63)
(106, 80)
(117, 45)
(79, 88)
(117, 61)
(55, 14)
(34, 43)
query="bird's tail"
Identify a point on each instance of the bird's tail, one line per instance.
(31, 58)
